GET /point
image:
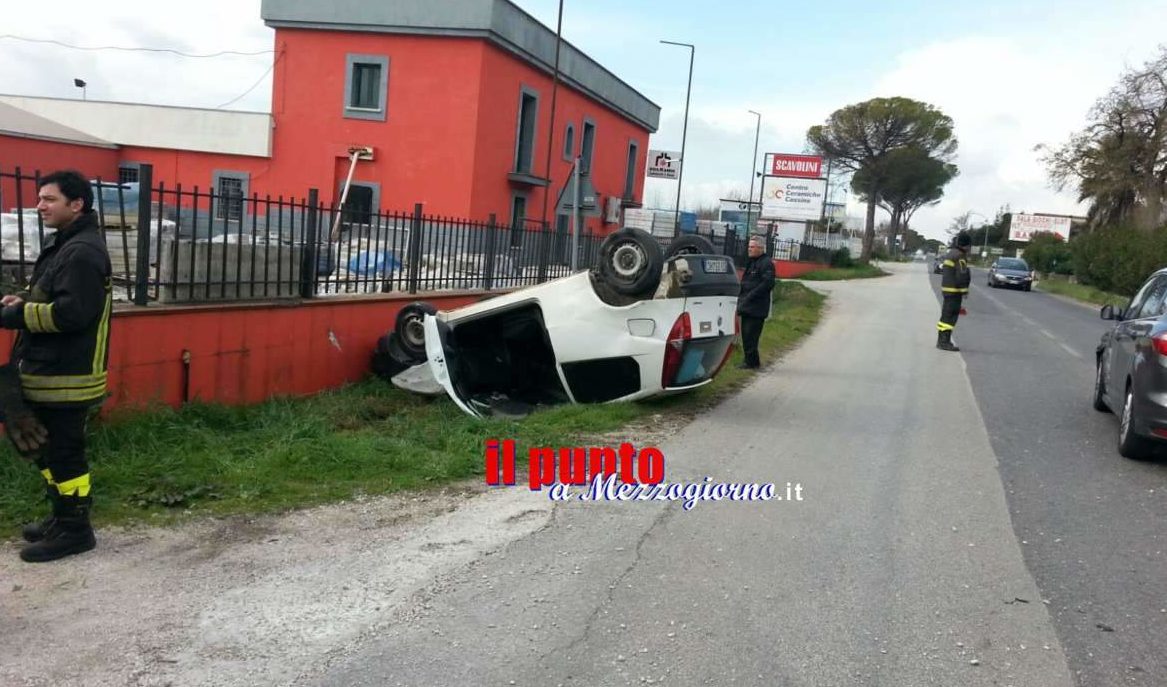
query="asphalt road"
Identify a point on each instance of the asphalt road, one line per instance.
(1090, 522)
(899, 567)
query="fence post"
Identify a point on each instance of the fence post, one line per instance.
(309, 263)
(415, 248)
(142, 266)
(544, 251)
(491, 232)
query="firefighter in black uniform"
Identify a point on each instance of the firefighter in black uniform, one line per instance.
(954, 281)
(61, 351)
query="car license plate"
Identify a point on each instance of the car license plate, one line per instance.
(716, 266)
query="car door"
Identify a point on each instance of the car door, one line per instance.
(1133, 329)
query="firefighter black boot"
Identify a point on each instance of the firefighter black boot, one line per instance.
(944, 342)
(34, 532)
(69, 534)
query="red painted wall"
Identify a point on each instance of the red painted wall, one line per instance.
(503, 79)
(48, 156)
(424, 151)
(247, 353)
(192, 169)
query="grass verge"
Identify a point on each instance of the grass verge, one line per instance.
(840, 273)
(1080, 292)
(368, 438)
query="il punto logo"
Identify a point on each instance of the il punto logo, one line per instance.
(623, 473)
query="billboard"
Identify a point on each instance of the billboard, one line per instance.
(738, 210)
(664, 164)
(1022, 227)
(793, 198)
(787, 165)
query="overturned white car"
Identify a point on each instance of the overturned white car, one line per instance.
(641, 323)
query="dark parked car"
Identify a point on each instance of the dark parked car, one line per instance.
(1012, 272)
(938, 264)
(1131, 369)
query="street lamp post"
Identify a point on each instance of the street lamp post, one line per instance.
(985, 226)
(684, 133)
(753, 165)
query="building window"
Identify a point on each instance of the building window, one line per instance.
(230, 194)
(128, 173)
(518, 219)
(569, 142)
(366, 87)
(525, 136)
(587, 146)
(630, 174)
(362, 203)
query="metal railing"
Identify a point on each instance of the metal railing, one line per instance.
(197, 245)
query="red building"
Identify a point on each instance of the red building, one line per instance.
(453, 96)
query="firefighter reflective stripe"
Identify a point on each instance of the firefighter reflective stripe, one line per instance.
(63, 388)
(103, 331)
(953, 289)
(48, 475)
(38, 318)
(78, 486)
(944, 327)
(949, 263)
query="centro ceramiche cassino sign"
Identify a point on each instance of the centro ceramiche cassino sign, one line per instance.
(794, 189)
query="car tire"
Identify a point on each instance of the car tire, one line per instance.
(409, 328)
(689, 244)
(631, 262)
(1099, 390)
(1029, 287)
(1131, 445)
(389, 359)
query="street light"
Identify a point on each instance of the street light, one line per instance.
(684, 133)
(80, 84)
(753, 165)
(985, 251)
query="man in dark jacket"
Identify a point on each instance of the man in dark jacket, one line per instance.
(753, 305)
(61, 351)
(954, 281)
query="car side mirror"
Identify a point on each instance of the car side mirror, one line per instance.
(1110, 313)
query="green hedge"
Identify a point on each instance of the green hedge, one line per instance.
(1118, 259)
(1049, 254)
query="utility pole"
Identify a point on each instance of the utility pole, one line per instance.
(684, 133)
(551, 128)
(753, 171)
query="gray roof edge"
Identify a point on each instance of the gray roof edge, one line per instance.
(92, 143)
(127, 104)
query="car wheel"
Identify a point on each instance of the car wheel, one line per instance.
(1099, 390)
(1130, 445)
(1029, 287)
(631, 262)
(410, 328)
(689, 244)
(389, 359)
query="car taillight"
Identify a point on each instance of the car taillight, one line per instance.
(681, 332)
(1159, 341)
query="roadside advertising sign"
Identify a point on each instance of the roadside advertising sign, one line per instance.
(1022, 227)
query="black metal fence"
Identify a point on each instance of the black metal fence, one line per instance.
(196, 244)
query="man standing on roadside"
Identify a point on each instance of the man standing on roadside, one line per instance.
(954, 281)
(61, 351)
(753, 305)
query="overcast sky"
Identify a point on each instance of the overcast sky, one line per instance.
(1011, 73)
